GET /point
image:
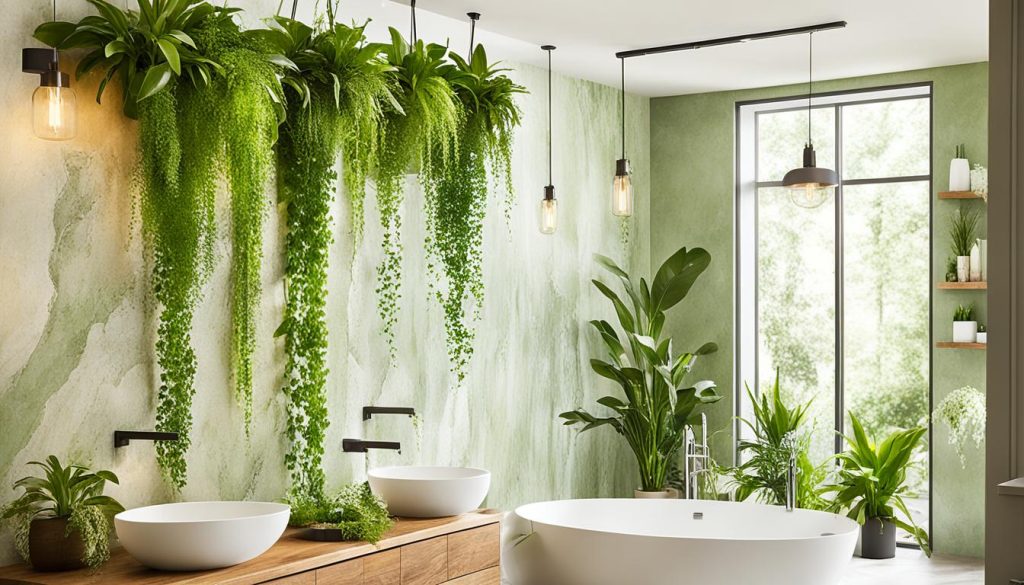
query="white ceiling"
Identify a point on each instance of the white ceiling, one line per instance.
(882, 36)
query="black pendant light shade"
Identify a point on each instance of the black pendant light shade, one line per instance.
(549, 205)
(622, 184)
(53, 102)
(810, 185)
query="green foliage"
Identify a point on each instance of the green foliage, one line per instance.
(70, 492)
(963, 228)
(457, 202)
(872, 478)
(421, 132)
(963, 413)
(355, 511)
(231, 126)
(658, 404)
(962, 313)
(961, 151)
(147, 50)
(177, 223)
(306, 154)
(779, 433)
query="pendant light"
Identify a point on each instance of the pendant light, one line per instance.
(53, 102)
(549, 205)
(810, 186)
(622, 185)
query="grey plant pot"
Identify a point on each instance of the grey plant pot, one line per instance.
(878, 539)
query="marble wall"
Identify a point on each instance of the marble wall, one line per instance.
(77, 319)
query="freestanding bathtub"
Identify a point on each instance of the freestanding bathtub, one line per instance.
(675, 542)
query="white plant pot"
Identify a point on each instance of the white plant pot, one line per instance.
(984, 260)
(981, 337)
(976, 263)
(963, 268)
(965, 331)
(959, 175)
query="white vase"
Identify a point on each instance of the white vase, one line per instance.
(959, 175)
(963, 268)
(984, 260)
(975, 263)
(981, 337)
(965, 331)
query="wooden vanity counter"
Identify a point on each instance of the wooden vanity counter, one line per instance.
(461, 550)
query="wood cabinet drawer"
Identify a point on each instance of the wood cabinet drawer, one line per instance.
(347, 573)
(307, 578)
(383, 568)
(490, 576)
(425, 562)
(473, 550)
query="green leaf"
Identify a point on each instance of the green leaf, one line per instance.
(155, 80)
(170, 53)
(54, 34)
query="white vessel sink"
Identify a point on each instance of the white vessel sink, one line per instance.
(430, 492)
(196, 536)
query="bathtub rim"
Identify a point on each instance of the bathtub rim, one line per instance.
(853, 526)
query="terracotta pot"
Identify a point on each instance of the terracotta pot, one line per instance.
(877, 539)
(666, 494)
(50, 550)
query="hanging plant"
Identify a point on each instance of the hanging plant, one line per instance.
(421, 132)
(456, 203)
(336, 94)
(151, 51)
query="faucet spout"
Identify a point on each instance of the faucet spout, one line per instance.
(361, 446)
(791, 483)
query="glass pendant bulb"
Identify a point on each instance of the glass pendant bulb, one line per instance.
(810, 195)
(548, 211)
(53, 113)
(622, 190)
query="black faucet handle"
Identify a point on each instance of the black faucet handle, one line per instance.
(369, 411)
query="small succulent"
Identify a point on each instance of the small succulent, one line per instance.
(963, 313)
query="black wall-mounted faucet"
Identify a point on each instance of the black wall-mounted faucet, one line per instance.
(361, 446)
(369, 411)
(122, 438)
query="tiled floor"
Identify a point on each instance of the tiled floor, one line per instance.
(911, 567)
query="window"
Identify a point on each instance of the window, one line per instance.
(837, 298)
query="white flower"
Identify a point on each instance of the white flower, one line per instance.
(979, 181)
(963, 411)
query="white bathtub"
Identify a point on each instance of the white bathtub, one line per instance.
(663, 542)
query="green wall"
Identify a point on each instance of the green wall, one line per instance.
(692, 204)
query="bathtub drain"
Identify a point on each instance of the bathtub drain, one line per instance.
(698, 515)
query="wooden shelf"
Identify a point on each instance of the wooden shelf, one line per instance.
(956, 345)
(958, 195)
(963, 285)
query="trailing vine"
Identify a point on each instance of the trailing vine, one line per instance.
(457, 202)
(336, 94)
(422, 131)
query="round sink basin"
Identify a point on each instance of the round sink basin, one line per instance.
(430, 492)
(196, 536)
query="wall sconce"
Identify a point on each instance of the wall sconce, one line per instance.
(53, 102)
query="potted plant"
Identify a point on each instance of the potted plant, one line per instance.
(960, 171)
(963, 413)
(982, 335)
(963, 226)
(951, 269)
(965, 328)
(657, 404)
(870, 487)
(778, 432)
(62, 520)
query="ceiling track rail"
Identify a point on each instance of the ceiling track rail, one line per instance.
(800, 30)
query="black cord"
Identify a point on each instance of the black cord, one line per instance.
(549, 118)
(810, 81)
(295, 7)
(412, 16)
(623, 61)
(472, 38)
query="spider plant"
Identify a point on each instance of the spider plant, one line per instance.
(70, 493)
(963, 227)
(872, 479)
(658, 404)
(145, 49)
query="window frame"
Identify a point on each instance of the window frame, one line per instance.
(745, 230)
